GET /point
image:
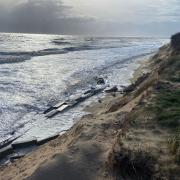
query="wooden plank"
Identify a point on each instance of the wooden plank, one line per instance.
(63, 107)
(52, 113)
(60, 107)
(59, 104)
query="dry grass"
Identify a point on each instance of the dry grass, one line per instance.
(174, 146)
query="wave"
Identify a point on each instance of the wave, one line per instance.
(58, 42)
(14, 57)
(63, 46)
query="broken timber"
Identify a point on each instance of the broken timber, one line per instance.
(23, 144)
(61, 107)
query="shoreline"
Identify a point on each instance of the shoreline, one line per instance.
(105, 140)
(93, 107)
(142, 64)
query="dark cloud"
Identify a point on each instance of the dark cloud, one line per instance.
(41, 16)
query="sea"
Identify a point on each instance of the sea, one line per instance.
(38, 71)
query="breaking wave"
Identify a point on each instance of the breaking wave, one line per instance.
(14, 57)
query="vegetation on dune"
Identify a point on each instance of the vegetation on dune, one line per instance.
(166, 104)
(154, 126)
(167, 108)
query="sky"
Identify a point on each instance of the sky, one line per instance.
(93, 17)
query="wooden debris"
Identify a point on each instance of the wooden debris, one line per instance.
(22, 144)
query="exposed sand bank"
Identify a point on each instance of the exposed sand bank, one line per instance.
(103, 143)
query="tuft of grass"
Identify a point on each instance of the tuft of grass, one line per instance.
(134, 164)
(174, 145)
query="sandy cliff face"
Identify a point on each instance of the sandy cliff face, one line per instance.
(150, 148)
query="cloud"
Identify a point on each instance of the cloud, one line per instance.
(95, 17)
(128, 10)
(41, 16)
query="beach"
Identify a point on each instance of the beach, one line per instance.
(123, 135)
(89, 90)
(86, 144)
(118, 138)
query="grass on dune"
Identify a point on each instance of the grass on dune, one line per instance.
(167, 108)
(167, 114)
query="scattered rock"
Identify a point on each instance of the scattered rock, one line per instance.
(99, 100)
